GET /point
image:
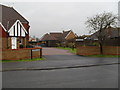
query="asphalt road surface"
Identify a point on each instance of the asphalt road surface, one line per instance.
(86, 77)
(102, 76)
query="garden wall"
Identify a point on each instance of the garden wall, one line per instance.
(95, 50)
(19, 54)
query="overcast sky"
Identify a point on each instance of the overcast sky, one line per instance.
(47, 17)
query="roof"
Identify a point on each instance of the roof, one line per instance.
(9, 16)
(108, 33)
(115, 33)
(65, 33)
(82, 37)
(55, 36)
(47, 37)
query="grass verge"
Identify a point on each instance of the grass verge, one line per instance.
(114, 56)
(24, 60)
(69, 49)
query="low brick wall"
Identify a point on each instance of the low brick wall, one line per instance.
(111, 50)
(0, 54)
(19, 54)
(95, 50)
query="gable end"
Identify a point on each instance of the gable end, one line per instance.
(17, 29)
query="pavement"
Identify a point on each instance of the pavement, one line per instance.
(58, 59)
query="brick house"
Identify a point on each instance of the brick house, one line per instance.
(111, 37)
(80, 40)
(14, 29)
(52, 39)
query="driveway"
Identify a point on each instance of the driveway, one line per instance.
(55, 51)
(58, 58)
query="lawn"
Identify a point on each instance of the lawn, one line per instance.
(69, 49)
(24, 60)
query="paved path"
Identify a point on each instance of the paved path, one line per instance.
(56, 58)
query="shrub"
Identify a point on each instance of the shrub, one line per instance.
(95, 44)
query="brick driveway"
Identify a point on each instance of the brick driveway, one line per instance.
(55, 51)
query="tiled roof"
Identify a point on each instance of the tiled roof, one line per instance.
(55, 36)
(115, 33)
(48, 37)
(65, 33)
(58, 36)
(108, 33)
(9, 16)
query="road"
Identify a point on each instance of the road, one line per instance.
(87, 77)
(101, 76)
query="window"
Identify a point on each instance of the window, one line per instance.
(20, 41)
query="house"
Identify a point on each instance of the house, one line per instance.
(52, 39)
(14, 28)
(80, 40)
(14, 36)
(110, 43)
(111, 36)
(110, 32)
(33, 41)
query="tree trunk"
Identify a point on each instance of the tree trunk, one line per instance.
(101, 48)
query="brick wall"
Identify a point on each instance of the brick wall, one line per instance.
(0, 54)
(95, 50)
(0, 48)
(0, 43)
(36, 54)
(18, 54)
(111, 50)
(4, 43)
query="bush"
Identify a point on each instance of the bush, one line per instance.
(95, 44)
(71, 45)
(58, 44)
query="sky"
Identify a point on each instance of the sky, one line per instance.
(45, 17)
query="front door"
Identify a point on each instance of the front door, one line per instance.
(14, 43)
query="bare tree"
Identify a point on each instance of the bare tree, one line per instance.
(99, 23)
